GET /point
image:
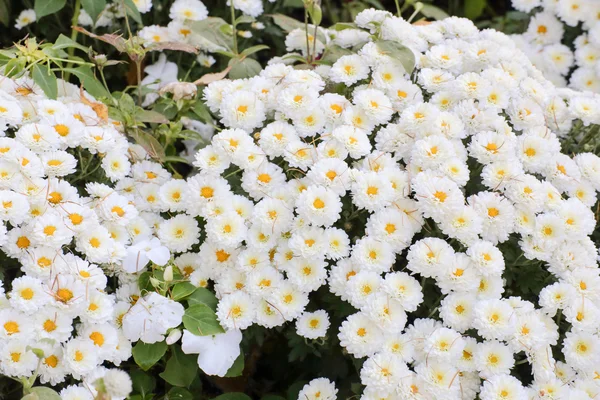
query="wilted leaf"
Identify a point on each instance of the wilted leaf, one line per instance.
(210, 78)
(116, 41)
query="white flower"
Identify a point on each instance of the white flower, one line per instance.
(142, 252)
(216, 353)
(25, 18)
(150, 318)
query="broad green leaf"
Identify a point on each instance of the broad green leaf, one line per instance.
(41, 393)
(333, 53)
(246, 68)
(399, 52)
(46, 80)
(143, 383)
(233, 396)
(474, 8)
(177, 393)
(286, 23)
(201, 320)
(47, 7)
(209, 32)
(181, 368)
(146, 355)
(64, 42)
(149, 143)
(237, 368)
(132, 10)
(89, 81)
(203, 296)
(431, 11)
(182, 290)
(340, 26)
(150, 116)
(5, 12)
(254, 49)
(14, 66)
(201, 111)
(93, 7)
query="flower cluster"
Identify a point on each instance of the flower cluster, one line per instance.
(67, 242)
(412, 161)
(404, 149)
(542, 41)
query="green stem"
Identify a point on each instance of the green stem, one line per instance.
(418, 7)
(308, 60)
(138, 67)
(398, 8)
(74, 33)
(558, 317)
(234, 26)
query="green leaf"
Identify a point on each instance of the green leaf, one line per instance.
(149, 143)
(431, 11)
(132, 10)
(246, 68)
(254, 49)
(201, 320)
(398, 52)
(5, 12)
(237, 368)
(315, 12)
(203, 296)
(182, 290)
(209, 30)
(146, 355)
(202, 112)
(89, 81)
(244, 19)
(233, 396)
(286, 23)
(41, 393)
(474, 8)
(340, 26)
(181, 368)
(333, 53)
(93, 7)
(143, 383)
(150, 116)
(46, 80)
(47, 7)
(64, 42)
(177, 393)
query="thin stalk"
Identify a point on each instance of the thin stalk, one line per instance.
(308, 60)
(418, 8)
(234, 26)
(398, 11)
(138, 68)
(74, 33)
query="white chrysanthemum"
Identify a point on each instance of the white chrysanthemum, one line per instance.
(313, 325)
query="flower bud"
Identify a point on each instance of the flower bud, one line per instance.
(173, 336)
(168, 274)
